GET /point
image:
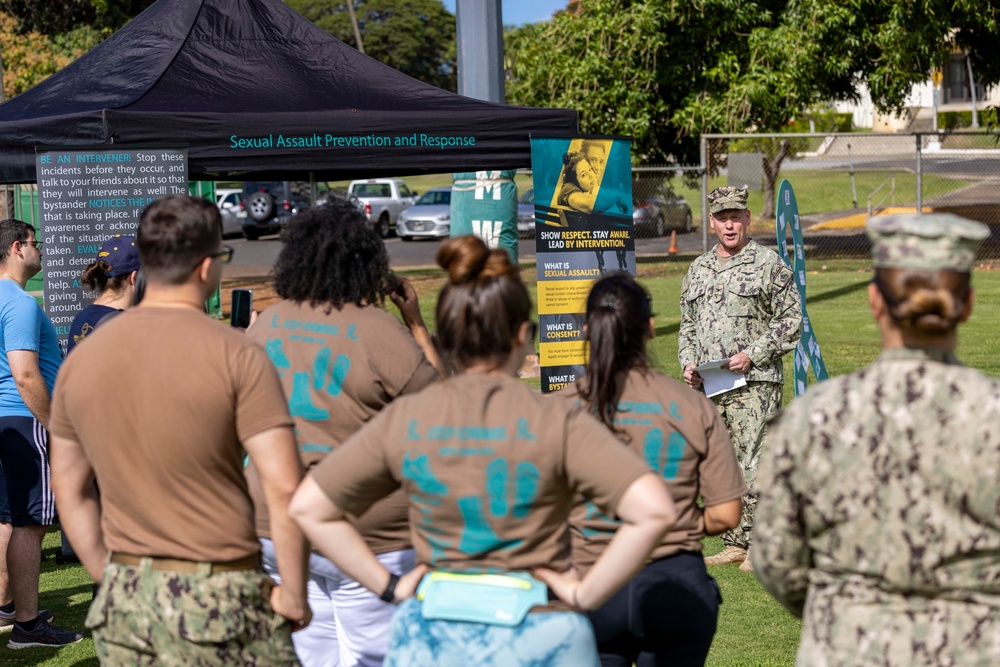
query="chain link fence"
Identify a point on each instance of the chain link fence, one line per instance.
(665, 199)
(842, 179)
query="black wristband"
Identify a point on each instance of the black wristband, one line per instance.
(389, 594)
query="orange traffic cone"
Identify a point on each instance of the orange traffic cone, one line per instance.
(673, 242)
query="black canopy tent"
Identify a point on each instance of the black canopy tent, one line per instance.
(256, 91)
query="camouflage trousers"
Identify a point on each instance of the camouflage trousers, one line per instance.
(149, 617)
(744, 411)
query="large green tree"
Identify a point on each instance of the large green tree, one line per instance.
(40, 37)
(30, 57)
(417, 37)
(666, 71)
(50, 17)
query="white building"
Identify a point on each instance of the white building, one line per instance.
(952, 94)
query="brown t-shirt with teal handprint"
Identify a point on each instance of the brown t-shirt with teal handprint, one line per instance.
(489, 469)
(682, 437)
(338, 370)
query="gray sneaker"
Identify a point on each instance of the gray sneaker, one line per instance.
(43, 635)
(7, 620)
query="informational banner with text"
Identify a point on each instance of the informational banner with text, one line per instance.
(583, 229)
(85, 197)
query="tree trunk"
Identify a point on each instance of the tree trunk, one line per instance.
(772, 167)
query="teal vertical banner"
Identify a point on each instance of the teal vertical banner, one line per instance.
(484, 204)
(807, 351)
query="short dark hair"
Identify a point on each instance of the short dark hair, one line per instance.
(12, 230)
(330, 256)
(175, 233)
(482, 305)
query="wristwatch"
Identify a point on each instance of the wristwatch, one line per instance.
(389, 594)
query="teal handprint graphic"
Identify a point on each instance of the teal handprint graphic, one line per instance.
(594, 514)
(300, 404)
(417, 469)
(526, 480)
(497, 477)
(277, 353)
(477, 536)
(338, 374)
(671, 458)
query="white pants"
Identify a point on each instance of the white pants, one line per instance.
(350, 625)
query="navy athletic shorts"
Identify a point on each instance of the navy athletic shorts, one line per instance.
(24, 456)
(4, 505)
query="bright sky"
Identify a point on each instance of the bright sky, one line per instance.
(517, 12)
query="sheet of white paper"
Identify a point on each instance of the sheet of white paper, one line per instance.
(719, 380)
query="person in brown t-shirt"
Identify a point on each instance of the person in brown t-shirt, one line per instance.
(667, 614)
(161, 409)
(341, 359)
(489, 471)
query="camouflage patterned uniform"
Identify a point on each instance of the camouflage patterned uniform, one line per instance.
(748, 304)
(880, 499)
(148, 617)
(878, 520)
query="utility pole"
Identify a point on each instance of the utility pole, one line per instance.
(972, 92)
(480, 49)
(483, 203)
(6, 200)
(354, 24)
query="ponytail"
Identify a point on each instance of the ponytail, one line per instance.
(618, 312)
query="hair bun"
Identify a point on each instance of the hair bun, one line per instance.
(466, 259)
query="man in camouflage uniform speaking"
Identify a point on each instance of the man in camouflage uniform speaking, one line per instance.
(161, 405)
(878, 516)
(739, 302)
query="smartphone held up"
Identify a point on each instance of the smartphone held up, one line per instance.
(241, 308)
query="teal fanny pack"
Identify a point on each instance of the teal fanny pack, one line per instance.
(496, 599)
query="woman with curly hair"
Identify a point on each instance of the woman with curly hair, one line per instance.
(489, 469)
(341, 359)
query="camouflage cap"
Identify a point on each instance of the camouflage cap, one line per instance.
(726, 198)
(933, 241)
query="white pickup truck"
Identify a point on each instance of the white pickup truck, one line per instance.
(384, 199)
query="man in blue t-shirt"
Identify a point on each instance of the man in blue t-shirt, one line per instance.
(29, 361)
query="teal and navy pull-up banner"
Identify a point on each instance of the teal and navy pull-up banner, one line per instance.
(583, 228)
(807, 351)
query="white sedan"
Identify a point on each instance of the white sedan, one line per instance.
(430, 217)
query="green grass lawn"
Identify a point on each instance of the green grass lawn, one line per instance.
(753, 629)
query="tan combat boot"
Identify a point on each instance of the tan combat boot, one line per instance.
(728, 555)
(747, 566)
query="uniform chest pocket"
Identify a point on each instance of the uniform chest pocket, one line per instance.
(694, 292)
(743, 299)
